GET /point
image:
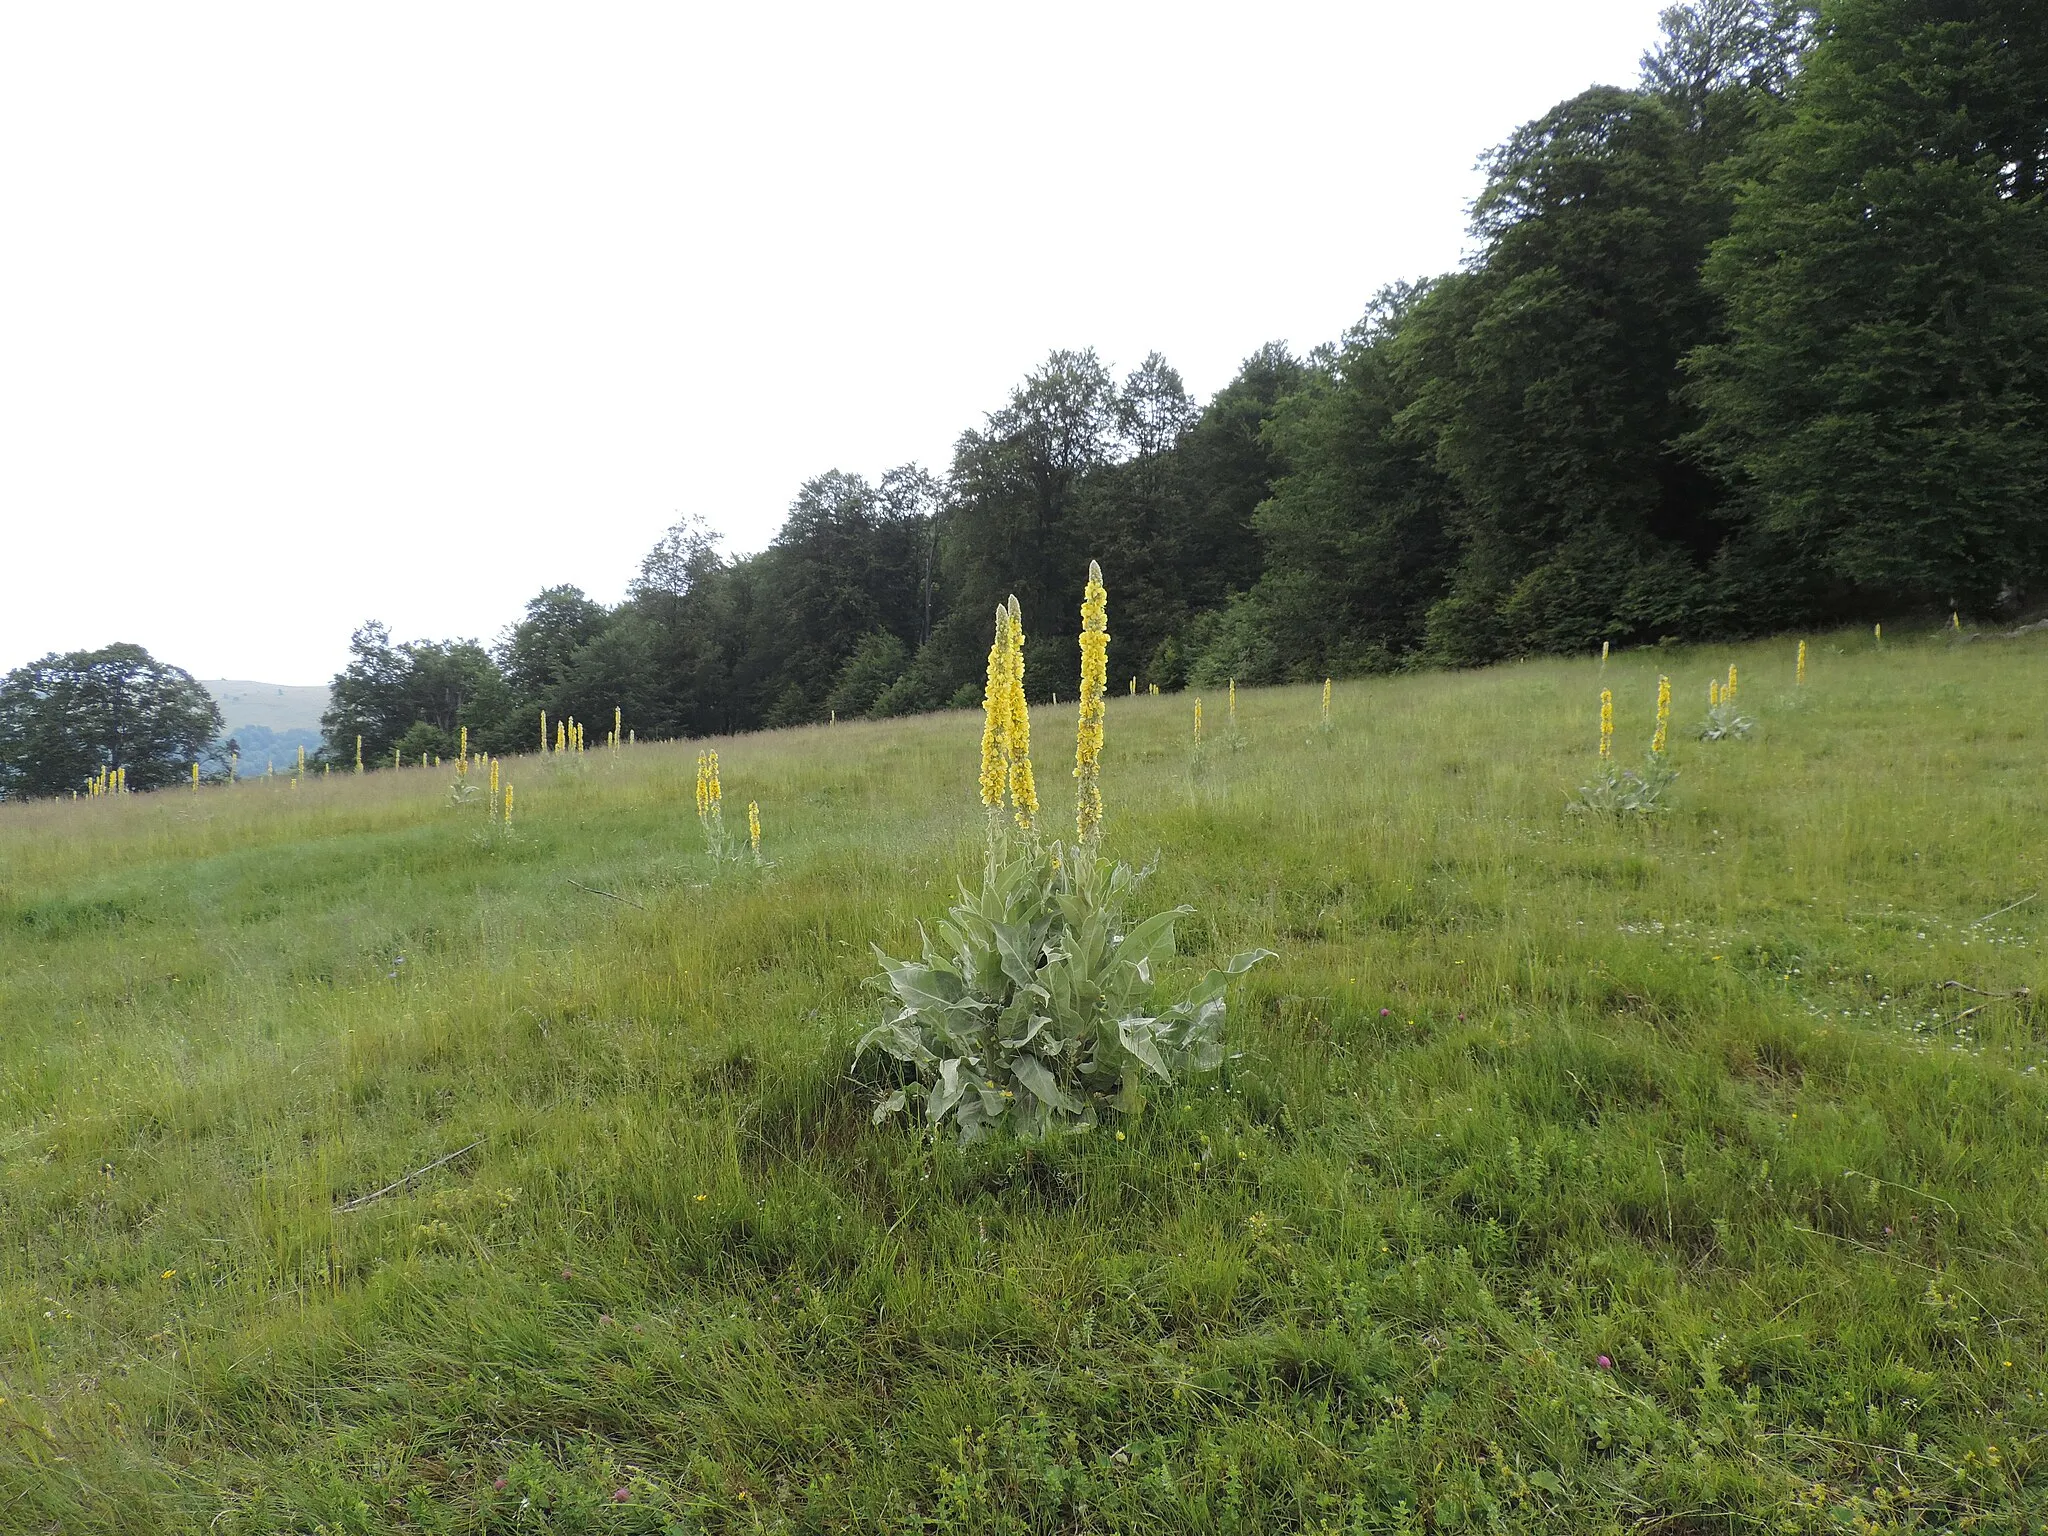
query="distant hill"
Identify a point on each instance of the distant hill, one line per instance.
(268, 721)
(273, 706)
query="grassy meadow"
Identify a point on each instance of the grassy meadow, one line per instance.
(1573, 1175)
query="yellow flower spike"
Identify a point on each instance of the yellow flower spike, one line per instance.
(195, 778)
(1877, 633)
(995, 716)
(1799, 677)
(1134, 687)
(1233, 706)
(543, 730)
(359, 754)
(508, 805)
(494, 786)
(1155, 690)
(1606, 723)
(462, 762)
(1728, 693)
(1088, 732)
(1663, 716)
(1326, 702)
(1198, 722)
(1603, 654)
(754, 828)
(1023, 786)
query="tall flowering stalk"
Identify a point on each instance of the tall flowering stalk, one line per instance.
(1037, 1007)
(1663, 733)
(1088, 733)
(1799, 676)
(995, 722)
(359, 754)
(1023, 785)
(543, 731)
(1606, 724)
(1728, 693)
(754, 828)
(462, 761)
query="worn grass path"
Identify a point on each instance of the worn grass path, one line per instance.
(1573, 1177)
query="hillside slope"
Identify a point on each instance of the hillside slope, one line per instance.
(1572, 1175)
(277, 707)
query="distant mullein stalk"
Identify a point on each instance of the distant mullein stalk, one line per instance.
(462, 762)
(508, 805)
(1663, 717)
(1714, 693)
(494, 786)
(1233, 706)
(195, 778)
(1023, 784)
(1603, 654)
(359, 754)
(1198, 722)
(754, 828)
(618, 720)
(1728, 693)
(1326, 706)
(543, 730)
(1799, 676)
(1088, 734)
(1606, 724)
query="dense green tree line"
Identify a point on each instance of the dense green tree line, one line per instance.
(1759, 340)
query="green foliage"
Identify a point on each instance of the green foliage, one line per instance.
(1624, 792)
(1724, 722)
(1883, 395)
(65, 718)
(1038, 1009)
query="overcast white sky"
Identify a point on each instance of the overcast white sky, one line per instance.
(315, 314)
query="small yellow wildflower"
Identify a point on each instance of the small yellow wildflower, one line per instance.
(1663, 715)
(1606, 723)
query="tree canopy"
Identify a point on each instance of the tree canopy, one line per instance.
(65, 719)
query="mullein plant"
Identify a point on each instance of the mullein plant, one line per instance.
(1326, 729)
(1724, 720)
(711, 806)
(1036, 1006)
(1617, 791)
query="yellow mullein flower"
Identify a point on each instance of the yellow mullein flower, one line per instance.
(359, 754)
(508, 805)
(1023, 786)
(1663, 715)
(1088, 734)
(1198, 722)
(754, 828)
(1603, 654)
(1606, 723)
(543, 730)
(1713, 694)
(995, 716)
(494, 786)
(1728, 693)
(1326, 703)
(195, 778)
(1800, 675)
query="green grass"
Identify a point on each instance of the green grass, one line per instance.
(1523, 1091)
